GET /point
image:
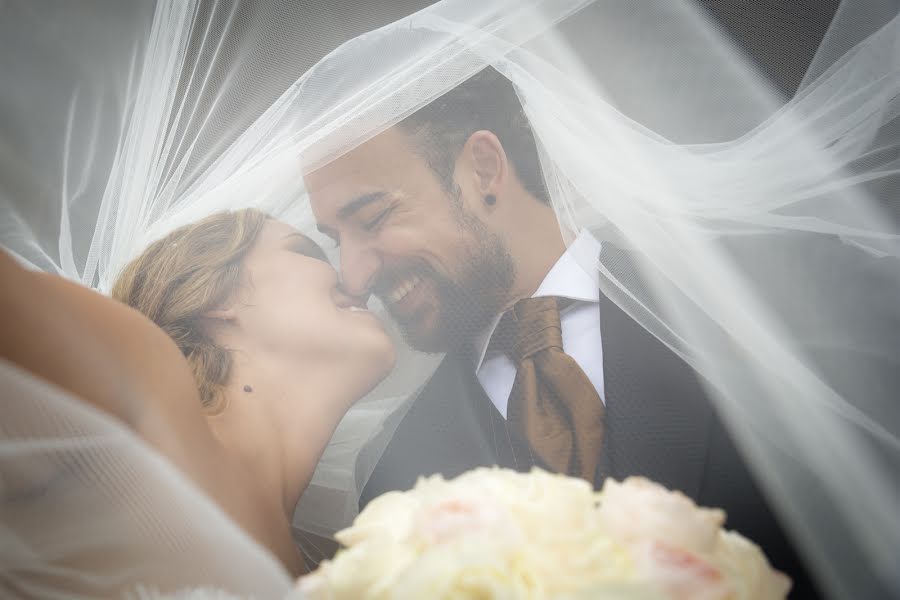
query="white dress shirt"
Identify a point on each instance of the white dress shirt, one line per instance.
(580, 322)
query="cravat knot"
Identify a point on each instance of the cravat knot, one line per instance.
(532, 325)
(552, 402)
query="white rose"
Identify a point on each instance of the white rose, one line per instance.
(640, 510)
(388, 516)
(753, 576)
(493, 533)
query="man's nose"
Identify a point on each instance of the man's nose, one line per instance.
(359, 267)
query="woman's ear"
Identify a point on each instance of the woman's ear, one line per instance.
(489, 163)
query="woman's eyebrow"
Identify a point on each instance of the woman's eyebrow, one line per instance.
(311, 247)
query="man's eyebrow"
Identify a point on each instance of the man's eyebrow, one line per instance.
(357, 203)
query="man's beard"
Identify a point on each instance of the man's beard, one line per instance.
(466, 304)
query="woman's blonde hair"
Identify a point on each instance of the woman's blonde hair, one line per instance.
(179, 279)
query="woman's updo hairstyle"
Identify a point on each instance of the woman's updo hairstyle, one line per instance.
(179, 279)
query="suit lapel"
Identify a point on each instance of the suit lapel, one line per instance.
(447, 430)
(658, 417)
(510, 449)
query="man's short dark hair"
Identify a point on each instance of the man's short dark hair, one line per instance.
(485, 101)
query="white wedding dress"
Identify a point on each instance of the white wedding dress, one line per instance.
(123, 120)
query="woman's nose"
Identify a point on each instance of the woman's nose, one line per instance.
(344, 300)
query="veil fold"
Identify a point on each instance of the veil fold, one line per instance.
(761, 231)
(89, 511)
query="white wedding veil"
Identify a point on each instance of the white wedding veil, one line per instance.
(87, 510)
(755, 233)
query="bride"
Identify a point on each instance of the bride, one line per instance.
(230, 351)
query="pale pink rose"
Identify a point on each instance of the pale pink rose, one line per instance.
(455, 517)
(680, 574)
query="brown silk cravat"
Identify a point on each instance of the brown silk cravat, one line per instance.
(553, 403)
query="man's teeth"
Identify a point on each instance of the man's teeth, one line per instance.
(357, 309)
(403, 289)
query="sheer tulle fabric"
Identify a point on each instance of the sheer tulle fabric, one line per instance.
(87, 510)
(753, 235)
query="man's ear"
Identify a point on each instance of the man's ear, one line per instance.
(489, 163)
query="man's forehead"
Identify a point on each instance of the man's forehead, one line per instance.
(387, 151)
(330, 191)
(378, 165)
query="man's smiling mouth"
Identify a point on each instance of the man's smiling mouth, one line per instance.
(403, 288)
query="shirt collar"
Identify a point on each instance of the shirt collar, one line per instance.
(572, 276)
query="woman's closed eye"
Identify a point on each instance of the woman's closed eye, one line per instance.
(317, 254)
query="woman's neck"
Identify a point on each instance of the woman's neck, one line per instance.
(279, 415)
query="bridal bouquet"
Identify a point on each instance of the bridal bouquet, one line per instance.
(494, 533)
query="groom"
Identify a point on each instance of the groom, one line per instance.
(446, 218)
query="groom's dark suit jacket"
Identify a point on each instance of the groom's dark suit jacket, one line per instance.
(659, 423)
